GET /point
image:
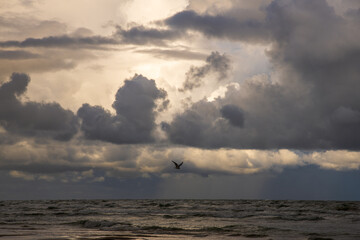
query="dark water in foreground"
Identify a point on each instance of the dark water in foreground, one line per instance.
(179, 219)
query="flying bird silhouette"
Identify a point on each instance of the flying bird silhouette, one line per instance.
(177, 166)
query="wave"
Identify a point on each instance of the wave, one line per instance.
(198, 218)
(175, 216)
(93, 223)
(346, 207)
(298, 218)
(161, 228)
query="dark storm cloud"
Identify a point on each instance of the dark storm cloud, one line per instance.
(217, 63)
(271, 121)
(219, 26)
(233, 114)
(134, 121)
(313, 104)
(194, 127)
(33, 118)
(140, 35)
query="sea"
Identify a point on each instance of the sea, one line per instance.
(178, 219)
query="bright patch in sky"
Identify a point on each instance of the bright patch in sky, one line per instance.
(113, 91)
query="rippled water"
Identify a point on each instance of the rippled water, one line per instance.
(179, 219)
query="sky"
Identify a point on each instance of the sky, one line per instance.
(259, 99)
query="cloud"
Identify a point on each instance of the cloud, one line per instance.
(89, 162)
(61, 41)
(18, 174)
(335, 160)
(17, 54)
(82, 37)
(134, 121)
(310, 101)
(51, 46)
(217, 63)
(78, 161)
(343, 115)
(40, 61)
(274, 119)
(46, 34)
(33, 118)
(54, 157)
(194, 127)
(219, 26)
(298, 116)
(139, 35)
(233, 114)
(20, 27)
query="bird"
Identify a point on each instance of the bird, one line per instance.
(177, 166)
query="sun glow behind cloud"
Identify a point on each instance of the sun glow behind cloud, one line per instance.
(235, 88)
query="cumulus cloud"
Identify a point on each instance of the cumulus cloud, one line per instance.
(336, 160)
(220, 64)
(196, 127)
(33, 118)
(310, 102)
(134, 121)
(233, 114)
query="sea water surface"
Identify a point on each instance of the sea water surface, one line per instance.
(179, 219)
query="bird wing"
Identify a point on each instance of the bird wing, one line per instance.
(175, 163)
(181, 164)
